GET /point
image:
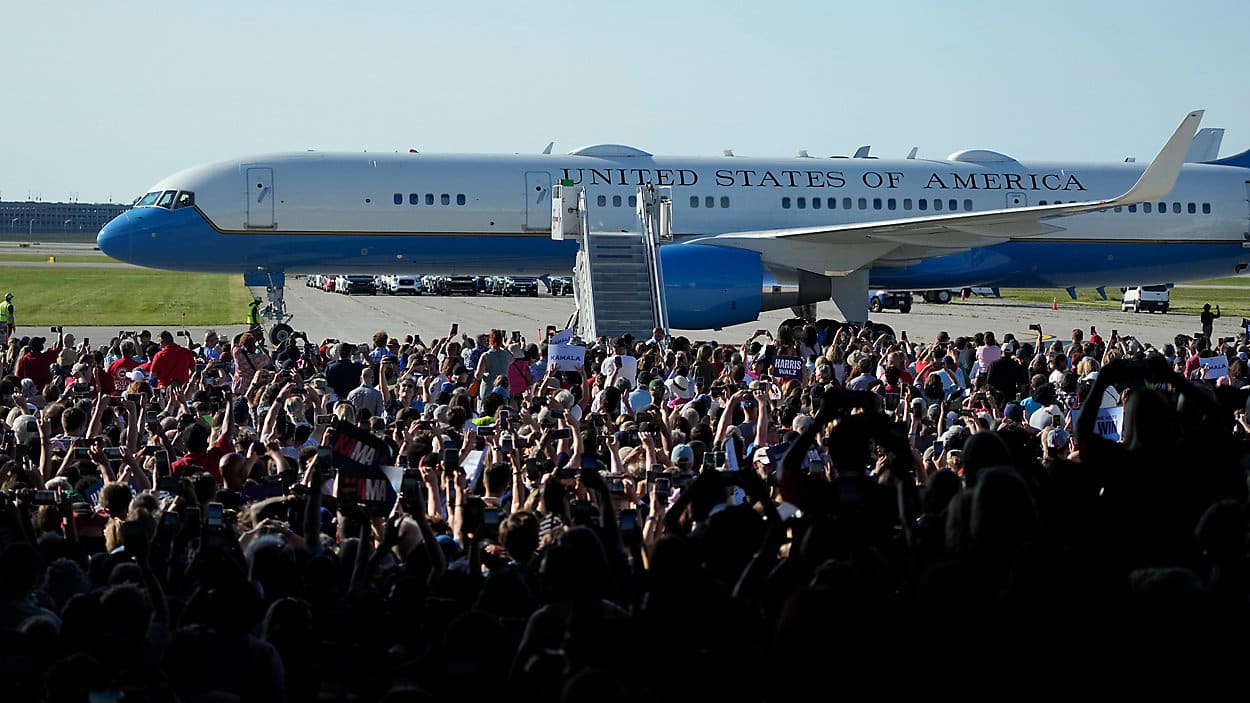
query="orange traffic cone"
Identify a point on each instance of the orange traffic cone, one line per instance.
(1054, 303)
(963, 294)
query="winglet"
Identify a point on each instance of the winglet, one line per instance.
(1160, 175)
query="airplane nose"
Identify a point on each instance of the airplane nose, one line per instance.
(115, 237)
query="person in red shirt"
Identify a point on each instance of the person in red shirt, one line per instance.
(200, 454)
(34, 363)
(120, 370)
(173, 364)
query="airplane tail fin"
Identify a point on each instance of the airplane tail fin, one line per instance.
(1241, 160)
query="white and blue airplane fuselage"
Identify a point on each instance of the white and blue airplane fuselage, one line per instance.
(978, 218)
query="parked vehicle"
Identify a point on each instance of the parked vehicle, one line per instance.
(562, 285)
(879, 300)
(404, 285)
(1148, 298)
(520, 285)
(463, 285)
(356, 285)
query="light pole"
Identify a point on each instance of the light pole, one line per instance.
(68, 224)
(13, 223)
(30, 231)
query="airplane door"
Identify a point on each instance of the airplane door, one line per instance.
(1015, 199)
(1246, 234)
(260, 198)
(537, 200)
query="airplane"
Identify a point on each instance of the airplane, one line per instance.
(750, 234)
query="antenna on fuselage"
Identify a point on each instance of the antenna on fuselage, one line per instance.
(912, 154)
(548, 149)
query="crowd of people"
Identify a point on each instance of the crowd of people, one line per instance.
(820, 506)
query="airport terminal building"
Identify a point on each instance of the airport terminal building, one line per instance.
(18, 219)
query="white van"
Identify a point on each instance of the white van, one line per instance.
(1148, 298)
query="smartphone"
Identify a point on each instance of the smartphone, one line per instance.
(113, 453)
(937, 447)
(516, 335)
(663, 487)
(629, 521)
(562, 433)
(558, 412)
(162, 463)
(32, 427)
(507, 443)
(761, 333)
(216, 515)
(490, 518)
(150, 416)
(1092, 330)
(616, 485)
(485, 431)
(1036, 327)
(134, 537)
(82, 453)
(324, 419)
(1115, 333)
(45, 497)
(455, 327)
(169, 519)
(167, 484)
(451, 458)
(709, 460)
(410, 491)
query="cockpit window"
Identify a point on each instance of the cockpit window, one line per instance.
(149, 199)
(166, 199)
(185, 199)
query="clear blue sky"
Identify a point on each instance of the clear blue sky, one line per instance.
(102, 99)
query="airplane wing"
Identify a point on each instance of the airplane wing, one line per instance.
(958, 231)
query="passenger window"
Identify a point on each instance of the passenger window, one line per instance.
(937, 204)
(833, 203)
(1041, 202)
(633, 201)
(785, 203)
(460, 198)
(694, 201)
(802, 203)
(1176, 208)
(846, 203)
(709, 202)
(445, 199)
(815, 203)
(968, 205)
(1206, 208)
(399, 198)
(1132, 208)
(876, 203)
(1192, 209)
(414, 199)
(922, 204)
(891, 204)
(429, 198)
(724, 201)
(863, 203)
(602, 201)
(616, 201)
(1163, 208)
(1145, 207)
(906, 203)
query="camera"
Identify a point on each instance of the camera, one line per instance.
(45, 497)
(1035, 327)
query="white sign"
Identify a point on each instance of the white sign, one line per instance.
(562, 337)
(472, 466)
(1216, 366)
(1108, 424)
(566, 357)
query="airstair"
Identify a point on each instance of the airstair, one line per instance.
(618, 280)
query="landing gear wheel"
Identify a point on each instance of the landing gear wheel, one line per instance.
(279, 333)
(943, 297)
(874, 305)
